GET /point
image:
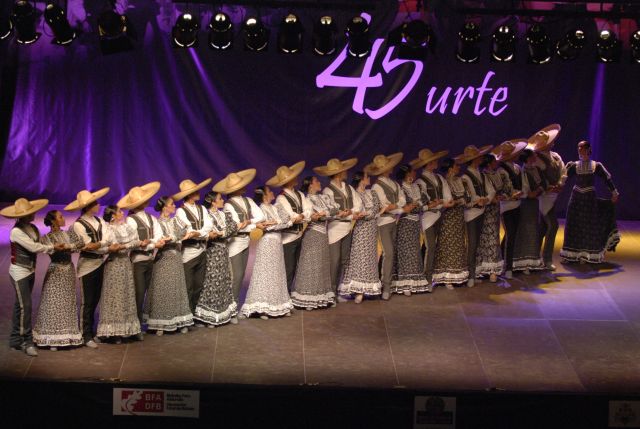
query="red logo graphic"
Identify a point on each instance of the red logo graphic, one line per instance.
(142, 401)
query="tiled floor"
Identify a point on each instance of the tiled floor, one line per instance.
(575, 330)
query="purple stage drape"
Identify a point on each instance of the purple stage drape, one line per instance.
(83, 120)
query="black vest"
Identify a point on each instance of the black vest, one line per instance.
(478, 184)
(196, 224)
(516, 179)
(434, 191)
(344, 201)
(296, 205)
(94, 234)
(552, 171)
(144, 232)
(21, 256)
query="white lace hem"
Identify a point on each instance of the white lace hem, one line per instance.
(168, 325)
(57, 340)
(488, 268)
(266, 308)
(412, 285)
(313, 301)
(213, 318)
(612, 241)
(454, 278)
(118, 329)
(527, 264)
(589, 257)
(354, 286)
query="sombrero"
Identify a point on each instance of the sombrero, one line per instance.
(235, 181)
(508, 150)
(471, 152)
(188, 187)
(139, 195)
(541, 140)
(23, 207)
(425, 156)
(84, 198)
(335, 166)
(286, 174)
(382, 164)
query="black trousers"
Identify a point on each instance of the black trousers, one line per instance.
(388, 234)
(474, 229)
(142, 278)
(430, 241)
(548, 231)
(194, 272)
(238, 268)
(91, 285)
(510, 221)
(21, 335)
(339, 253)
(291, 256)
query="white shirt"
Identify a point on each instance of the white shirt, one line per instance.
(307, 211)
(156, 235)
(338, 229)
(507, 205)
(25, 240)
(87, 265)
(548, 199)
(189, 252)
(385, 219)
(240, 242)
(430, 217)
(471, 212)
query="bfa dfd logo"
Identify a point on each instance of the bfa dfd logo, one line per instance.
(142, 401)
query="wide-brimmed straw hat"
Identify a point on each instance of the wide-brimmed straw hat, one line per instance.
(382, 163)
(235, 181)
(286, 174)
(188, 187)
(139, 195)
(23, 207)
(335, 166)
(471, 152)
(510, 149)
(84, 198)
(541, 140)
(425, 156)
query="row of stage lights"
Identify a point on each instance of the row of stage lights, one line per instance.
(413, 37)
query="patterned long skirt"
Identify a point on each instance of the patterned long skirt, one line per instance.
(451, 250)
(590, 229)
(408, 271)
(267, 293)
(57, 320)
(312, 284)
(118, 312)
(361, 273)
(216, 305)
(526, 252)
(167, 304)
(488, 256)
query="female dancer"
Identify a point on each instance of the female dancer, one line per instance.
(57, 320)
(167, 305)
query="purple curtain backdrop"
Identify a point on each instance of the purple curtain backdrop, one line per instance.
(83, 120)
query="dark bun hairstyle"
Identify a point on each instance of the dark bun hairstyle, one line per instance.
(525, 155)
(306, 183)
(50, 217)
(446, 164)
(109, 213)
(358, 177)
(162, 201)
(210, 199)
(258, 194)
(403, 172)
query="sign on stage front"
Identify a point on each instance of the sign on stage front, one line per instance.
(156, 402)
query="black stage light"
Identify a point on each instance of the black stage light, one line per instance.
(256, 35)
(324, 36)
(503, 44)
(57, 21)
(571, 44)
(290, 35)
(113, 30)
(220, 32)
(468, 50)
(357, 32)
(635, 47)
(412, 38)
(6, 28)
(608, 47)
(23, 17)
(185, 32)
(539, 45)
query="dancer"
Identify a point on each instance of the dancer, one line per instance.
(408, 274)
(312, 287)
(25, 245)
(393, 202)
(591, 228)
(555, 174)
(267, 294)
(167, 306)
(216, 305)
(57, 320)
(90, 270)
(435, 191)
(481, 192)
(295, 205)
(361, 275)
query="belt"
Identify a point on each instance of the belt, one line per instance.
(584, 190)
(244, 233)
(91, 255)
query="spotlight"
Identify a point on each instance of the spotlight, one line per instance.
(357, 33)
(6, 28)
(23, 17)
(324, 36)
(608, 47)
(290, 35)
(569, 47)
(185, 32)
(468, 38)
(412, 39)
(57, 21)
(539, 45)
(256, 35)
(635, 47)
(503, 44)
(113, 30)
(220, 32)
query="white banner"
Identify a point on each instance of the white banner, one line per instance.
(434, 412)
(156, 402)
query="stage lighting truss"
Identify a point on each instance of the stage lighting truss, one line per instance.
(503, 44)
(539, 45)
(185, 32)
(256, 35)
(220, 32)
(290, 35)
(468, 50)
(358, 41)
(635, 47)
(57, 20)
(324, 36)
(571, 44)
(23, 17)
(113, 30)
(608, 47)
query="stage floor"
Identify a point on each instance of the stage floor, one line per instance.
(576, 330)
